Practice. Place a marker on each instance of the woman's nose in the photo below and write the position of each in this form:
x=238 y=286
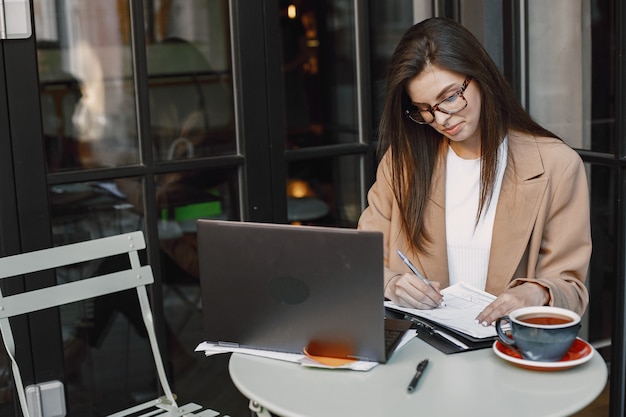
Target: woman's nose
x=441 y=117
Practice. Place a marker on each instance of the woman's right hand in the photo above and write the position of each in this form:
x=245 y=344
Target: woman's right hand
x=409 y=291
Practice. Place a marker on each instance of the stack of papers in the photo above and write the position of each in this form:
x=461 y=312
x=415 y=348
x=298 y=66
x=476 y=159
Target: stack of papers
x=214 y=349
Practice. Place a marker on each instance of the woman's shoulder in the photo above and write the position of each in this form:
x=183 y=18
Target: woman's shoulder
x=529 y=138
x=546 y=146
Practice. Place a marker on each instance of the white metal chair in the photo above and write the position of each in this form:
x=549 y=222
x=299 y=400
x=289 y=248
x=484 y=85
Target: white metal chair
x=137 y=276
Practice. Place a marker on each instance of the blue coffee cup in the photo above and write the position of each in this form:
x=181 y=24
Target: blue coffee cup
x=540 y=333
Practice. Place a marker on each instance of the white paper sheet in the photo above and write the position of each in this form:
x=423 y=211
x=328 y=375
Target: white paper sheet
x=463 y=304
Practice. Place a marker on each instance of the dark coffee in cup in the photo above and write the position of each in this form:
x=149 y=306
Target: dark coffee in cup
x=540 y=333
x=544 y=319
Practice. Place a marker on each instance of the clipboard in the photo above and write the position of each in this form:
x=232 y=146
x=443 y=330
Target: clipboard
x=443 y=338
x=446 y=339
x=452 y=329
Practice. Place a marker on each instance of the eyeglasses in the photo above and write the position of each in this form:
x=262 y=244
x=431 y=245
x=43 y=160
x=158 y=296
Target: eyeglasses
x=449 y=105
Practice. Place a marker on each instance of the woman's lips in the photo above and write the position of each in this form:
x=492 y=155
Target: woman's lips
x=451 y=131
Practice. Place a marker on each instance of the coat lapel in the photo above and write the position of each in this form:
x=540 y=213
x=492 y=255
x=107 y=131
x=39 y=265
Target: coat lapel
x=520 y=197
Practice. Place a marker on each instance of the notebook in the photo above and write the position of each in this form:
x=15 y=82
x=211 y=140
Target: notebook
x=289 y=288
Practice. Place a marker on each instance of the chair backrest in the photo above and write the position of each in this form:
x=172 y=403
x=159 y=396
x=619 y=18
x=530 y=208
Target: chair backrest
x=136 y=276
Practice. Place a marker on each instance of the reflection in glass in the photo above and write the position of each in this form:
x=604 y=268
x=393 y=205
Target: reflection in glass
x=104 y=340
x=182 y=199
x=556 y=74
x=190 y=86
x=89 y=210
x=100 y=336
x=318 y=62
x=85 y=68
x=392 y=20
x=324 y=192
x=106 y=350
x=60 y=95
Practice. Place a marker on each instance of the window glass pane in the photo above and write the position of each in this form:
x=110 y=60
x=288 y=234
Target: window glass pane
x=555 y=68
x=602 y=272
x=106 y=349
x=89 y=210
x=571 y=76
x=601 y=65
x=319 y=72
x=87 y=92
x=190 y=79
x=183 y=198
x=104 y=339
x=325 y=191
x=391 y=20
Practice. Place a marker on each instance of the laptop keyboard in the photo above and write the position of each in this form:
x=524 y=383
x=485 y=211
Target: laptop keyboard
x=392 y=338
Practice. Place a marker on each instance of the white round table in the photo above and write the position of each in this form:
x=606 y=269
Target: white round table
x=476 y=383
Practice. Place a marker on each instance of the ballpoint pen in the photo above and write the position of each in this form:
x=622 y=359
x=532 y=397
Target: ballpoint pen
x=418 y=373
x=415 y=270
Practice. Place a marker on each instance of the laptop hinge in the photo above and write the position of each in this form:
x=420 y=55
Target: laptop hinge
x=360 y=358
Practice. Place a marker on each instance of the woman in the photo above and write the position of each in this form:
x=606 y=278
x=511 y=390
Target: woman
x=469 y=187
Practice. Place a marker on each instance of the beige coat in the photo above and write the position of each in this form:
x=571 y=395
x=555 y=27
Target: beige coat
x=541 y=233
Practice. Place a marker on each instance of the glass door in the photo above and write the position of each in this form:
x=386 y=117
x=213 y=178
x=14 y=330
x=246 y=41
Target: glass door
x=130 y=106
x=147 y=115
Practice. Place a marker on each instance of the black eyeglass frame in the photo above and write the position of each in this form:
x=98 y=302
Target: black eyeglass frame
x=433 y=109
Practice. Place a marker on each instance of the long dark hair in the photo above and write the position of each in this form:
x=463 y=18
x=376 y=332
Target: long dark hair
x=414 y=148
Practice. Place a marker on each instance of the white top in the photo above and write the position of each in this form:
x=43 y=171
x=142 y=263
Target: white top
x=469 y=243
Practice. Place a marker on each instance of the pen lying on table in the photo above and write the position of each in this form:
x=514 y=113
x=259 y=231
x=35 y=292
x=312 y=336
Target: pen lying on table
x=418 y=373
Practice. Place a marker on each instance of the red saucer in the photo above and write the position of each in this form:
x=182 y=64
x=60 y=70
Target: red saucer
x=580 y=352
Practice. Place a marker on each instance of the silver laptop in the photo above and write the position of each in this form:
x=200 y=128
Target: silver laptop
x=289 y=288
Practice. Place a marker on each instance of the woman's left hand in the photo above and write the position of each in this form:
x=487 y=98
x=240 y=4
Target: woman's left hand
x=524 y=295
